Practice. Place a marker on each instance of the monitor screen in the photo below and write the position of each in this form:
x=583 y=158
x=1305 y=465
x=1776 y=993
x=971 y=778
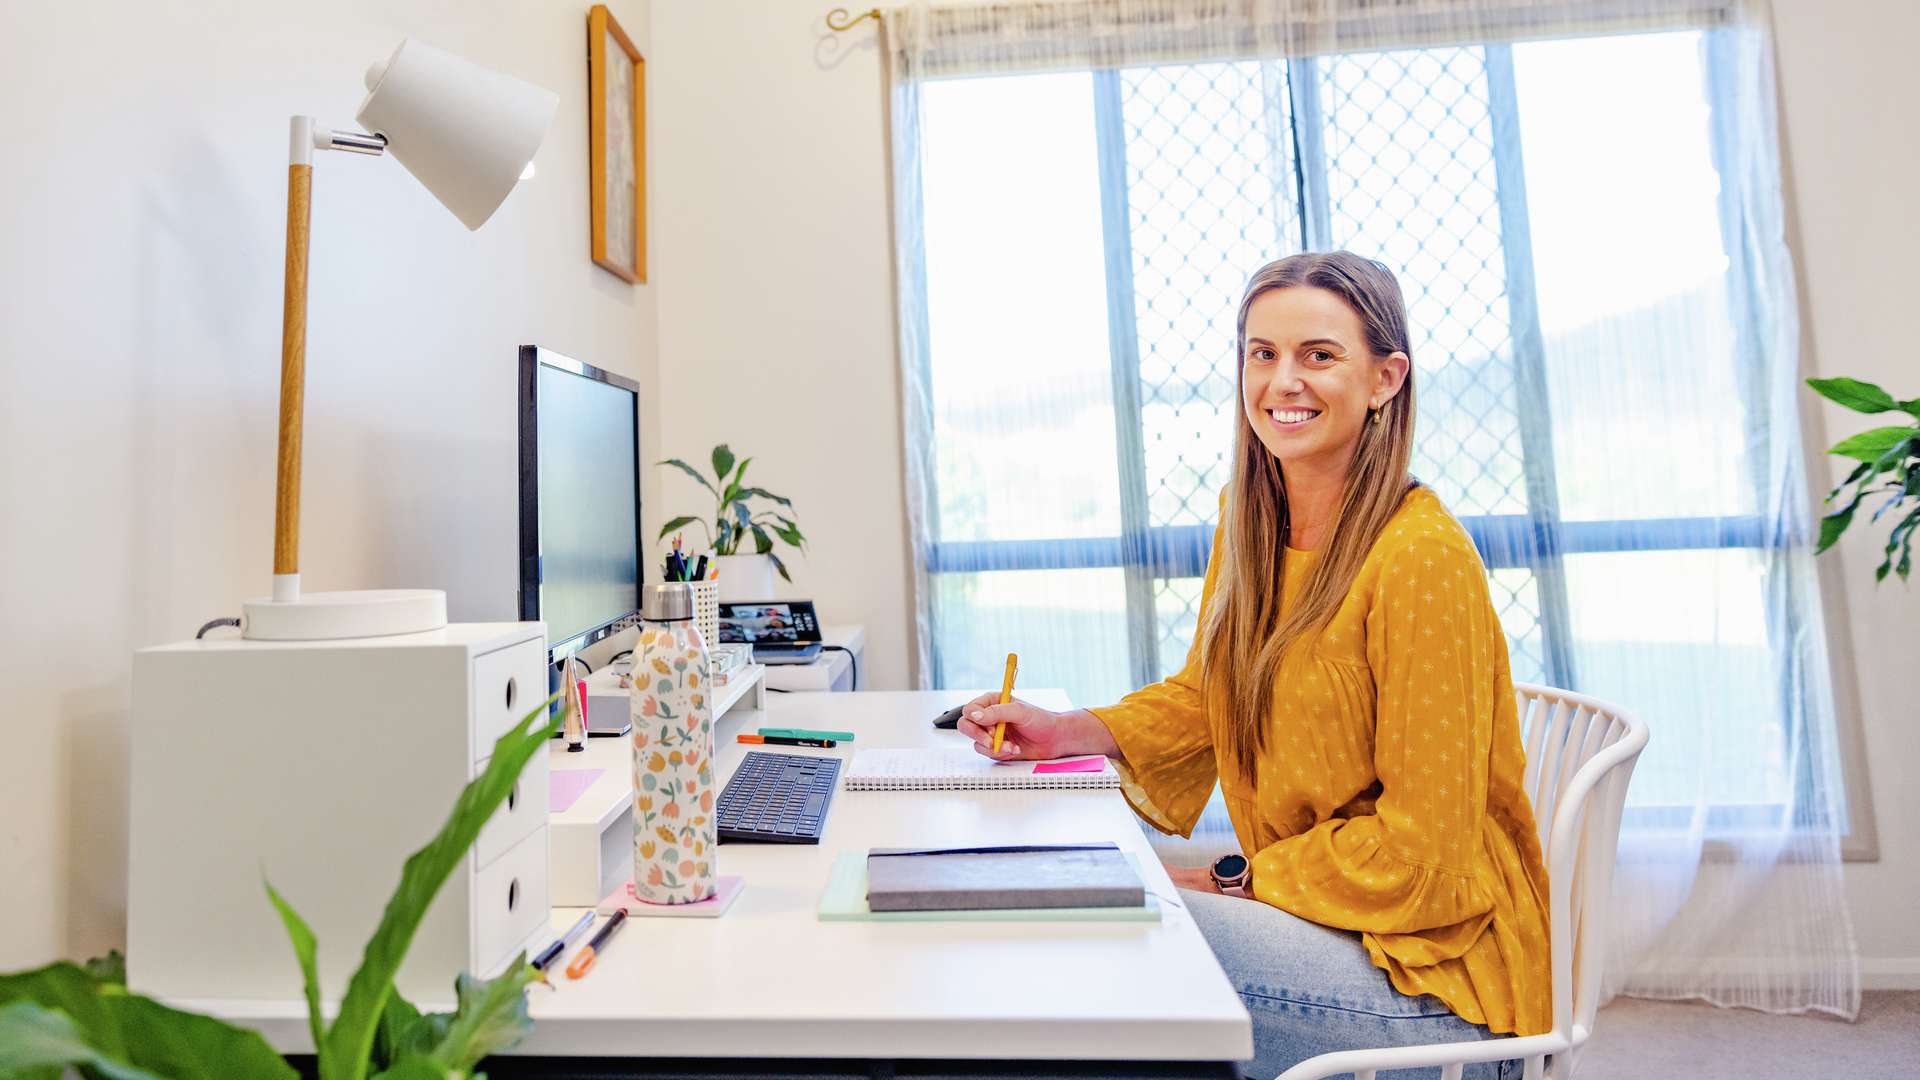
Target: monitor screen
x=580 y=497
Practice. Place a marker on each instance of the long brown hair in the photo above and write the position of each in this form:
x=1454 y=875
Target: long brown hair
x=1246 y=633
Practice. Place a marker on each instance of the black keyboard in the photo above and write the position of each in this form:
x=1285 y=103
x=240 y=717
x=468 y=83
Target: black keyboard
x=777 y=798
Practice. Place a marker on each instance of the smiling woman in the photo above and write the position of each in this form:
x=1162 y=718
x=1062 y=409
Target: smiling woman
x=1349 y=692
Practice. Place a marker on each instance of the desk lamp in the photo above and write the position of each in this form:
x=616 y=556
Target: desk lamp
x=468 y=134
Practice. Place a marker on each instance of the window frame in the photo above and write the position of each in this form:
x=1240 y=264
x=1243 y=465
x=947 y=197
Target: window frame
x=1536 y=541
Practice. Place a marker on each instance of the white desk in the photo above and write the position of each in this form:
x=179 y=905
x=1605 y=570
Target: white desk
x=769 y=980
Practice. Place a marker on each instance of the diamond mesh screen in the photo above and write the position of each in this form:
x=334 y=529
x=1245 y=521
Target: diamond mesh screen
x=1401 y=148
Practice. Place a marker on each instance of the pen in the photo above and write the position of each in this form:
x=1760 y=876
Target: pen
x=1006 y=695
x=583 y=963
x=807 y=733
x=784 y=740
x=552 y=952
x=574 y=722
x=700 y=570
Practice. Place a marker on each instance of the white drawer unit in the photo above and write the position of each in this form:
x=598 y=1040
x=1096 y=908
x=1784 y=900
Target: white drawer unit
x=320 y=766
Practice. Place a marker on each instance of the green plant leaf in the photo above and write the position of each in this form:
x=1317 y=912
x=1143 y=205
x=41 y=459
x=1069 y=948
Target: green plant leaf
x=491 y=1016
x=1911 y=408
x=680 y=522
x=690 y=471
x=763 y=543
x=742 y=515
x=188 y=1046
x=108 y=970
x=732 y=492
x=401 y=1033
x=1836 y=523
x=726 y=543
x=780 y=566
x=1870 y=445
x=723 y=461
x=1856 y=395
x=349 y=1042
x=414 y=1068
x=64 y=987
x=122 y=1034
x=763 y=493
x=304 y=949
x=39 y=1042
x=1859 y=471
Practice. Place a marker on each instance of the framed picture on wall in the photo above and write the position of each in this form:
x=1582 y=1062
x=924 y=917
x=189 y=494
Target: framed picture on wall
x=616 y=125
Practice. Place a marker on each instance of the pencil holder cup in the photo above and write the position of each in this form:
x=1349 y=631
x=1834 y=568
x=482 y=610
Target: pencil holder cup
x=706 y=610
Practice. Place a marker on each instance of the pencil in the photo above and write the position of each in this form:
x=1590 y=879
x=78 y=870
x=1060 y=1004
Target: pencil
x=1006 y=695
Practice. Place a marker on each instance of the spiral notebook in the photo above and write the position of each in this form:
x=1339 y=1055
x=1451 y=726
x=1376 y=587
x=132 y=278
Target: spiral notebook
x=963 y=770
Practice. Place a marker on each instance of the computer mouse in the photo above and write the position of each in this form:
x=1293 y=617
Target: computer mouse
x=950 y=718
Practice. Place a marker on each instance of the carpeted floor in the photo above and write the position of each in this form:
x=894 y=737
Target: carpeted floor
x=1639 y=1040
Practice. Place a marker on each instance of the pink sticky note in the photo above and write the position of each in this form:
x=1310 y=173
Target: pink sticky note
x=1085 y=764
x=567 y=785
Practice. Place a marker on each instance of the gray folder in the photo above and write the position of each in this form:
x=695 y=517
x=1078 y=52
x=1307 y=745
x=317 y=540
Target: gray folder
x=960 y=879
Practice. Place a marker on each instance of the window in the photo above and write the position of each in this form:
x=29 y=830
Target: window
x=1554 y=212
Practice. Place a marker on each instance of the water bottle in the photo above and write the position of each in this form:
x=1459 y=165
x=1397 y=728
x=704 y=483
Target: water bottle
x=674 y=833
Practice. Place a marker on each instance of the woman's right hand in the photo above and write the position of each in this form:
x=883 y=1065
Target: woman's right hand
x=1033 y=733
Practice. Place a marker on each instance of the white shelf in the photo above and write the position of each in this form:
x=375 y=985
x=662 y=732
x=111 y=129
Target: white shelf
x=737 y=687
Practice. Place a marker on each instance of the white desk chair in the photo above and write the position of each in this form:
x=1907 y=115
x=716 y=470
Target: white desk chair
x=1580 y=754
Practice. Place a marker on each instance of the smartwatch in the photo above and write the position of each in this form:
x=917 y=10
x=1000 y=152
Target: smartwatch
x=1232 y=875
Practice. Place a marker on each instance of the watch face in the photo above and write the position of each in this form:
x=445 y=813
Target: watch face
x=1230 y=866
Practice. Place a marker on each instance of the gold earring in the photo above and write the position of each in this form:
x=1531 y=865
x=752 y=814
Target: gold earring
x=1377 y=414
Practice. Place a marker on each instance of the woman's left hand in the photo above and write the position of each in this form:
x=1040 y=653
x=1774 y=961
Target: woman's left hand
x=1195 y=878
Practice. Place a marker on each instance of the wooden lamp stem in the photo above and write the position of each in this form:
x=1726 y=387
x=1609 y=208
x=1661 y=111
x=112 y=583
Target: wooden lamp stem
x=293 y=368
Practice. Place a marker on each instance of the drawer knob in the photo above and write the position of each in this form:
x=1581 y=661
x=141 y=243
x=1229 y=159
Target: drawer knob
x=513 y=691
x=513 y=796
x=513 y=894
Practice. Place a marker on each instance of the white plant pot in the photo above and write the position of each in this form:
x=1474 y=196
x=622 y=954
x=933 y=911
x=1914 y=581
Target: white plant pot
x=745 y=578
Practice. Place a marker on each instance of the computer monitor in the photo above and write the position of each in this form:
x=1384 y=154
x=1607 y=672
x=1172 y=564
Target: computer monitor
x=580 y=543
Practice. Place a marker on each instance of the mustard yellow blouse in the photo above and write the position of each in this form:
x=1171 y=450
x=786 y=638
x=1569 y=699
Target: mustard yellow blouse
x=1389 y=799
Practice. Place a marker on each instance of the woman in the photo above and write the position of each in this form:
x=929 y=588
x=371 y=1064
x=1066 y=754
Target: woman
x=1348 y=689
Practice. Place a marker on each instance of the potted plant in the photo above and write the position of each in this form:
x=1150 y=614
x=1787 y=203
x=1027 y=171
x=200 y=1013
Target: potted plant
x=1889 y=460
x=64 y=1016
x=736 y=521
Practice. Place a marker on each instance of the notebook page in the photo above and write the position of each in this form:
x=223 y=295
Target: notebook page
x=879 y=768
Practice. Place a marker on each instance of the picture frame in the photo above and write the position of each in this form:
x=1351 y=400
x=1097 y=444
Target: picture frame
x=616 y=125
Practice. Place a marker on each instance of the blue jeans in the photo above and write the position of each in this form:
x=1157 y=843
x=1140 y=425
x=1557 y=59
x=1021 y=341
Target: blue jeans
x=1312 y=989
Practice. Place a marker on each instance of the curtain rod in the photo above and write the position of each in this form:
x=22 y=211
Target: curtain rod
x=840 y=20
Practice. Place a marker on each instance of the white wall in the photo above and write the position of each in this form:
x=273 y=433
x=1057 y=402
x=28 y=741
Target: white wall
x=776 y=316
x=142 y=206
x=1845 y=77
x=775 y=280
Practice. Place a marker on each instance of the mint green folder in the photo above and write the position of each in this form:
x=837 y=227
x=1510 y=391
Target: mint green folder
x=845 y=900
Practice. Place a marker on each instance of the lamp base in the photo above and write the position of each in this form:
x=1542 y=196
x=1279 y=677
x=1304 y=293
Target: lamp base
x=361 y=613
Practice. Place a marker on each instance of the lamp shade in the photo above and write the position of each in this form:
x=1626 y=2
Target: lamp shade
x=464 y=131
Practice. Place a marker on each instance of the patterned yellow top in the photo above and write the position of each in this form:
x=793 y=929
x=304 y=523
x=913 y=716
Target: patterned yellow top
x=1389 y=799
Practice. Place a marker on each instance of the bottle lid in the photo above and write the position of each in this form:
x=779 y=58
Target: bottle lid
x=668 y=601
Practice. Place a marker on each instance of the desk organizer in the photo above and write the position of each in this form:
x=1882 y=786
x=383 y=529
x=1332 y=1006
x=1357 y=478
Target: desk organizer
x=321 y=765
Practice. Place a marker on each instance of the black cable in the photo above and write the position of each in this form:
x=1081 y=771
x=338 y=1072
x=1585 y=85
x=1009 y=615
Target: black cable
x=615 y=658
x=212 y=623
x=853 y=660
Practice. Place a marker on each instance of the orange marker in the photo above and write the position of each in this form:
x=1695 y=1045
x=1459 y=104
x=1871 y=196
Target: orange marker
x=584 y=961
x=1006 y=695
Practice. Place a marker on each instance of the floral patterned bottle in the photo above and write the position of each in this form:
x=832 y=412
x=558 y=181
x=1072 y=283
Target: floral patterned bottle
x=674 y=833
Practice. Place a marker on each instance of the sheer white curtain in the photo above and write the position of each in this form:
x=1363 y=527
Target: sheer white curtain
x=1582 y=201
